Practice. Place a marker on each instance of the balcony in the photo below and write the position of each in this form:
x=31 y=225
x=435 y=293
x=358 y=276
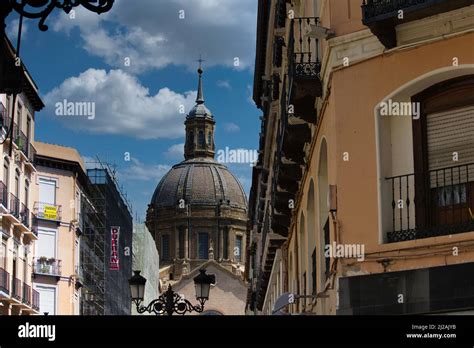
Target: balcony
x=35 y=301
x=47 y=211
x=304 y=69
x=4 y=281
x=4 y=197
x=446 y=208
x=47 y=267
x=16 y=289
x=27 y=295
x=14 y=206
x=25 y=215
x=22 y=142
x=382 y=16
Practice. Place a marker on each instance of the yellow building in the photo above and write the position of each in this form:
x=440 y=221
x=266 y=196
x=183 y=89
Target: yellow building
x=368 y=205
x=17 y=175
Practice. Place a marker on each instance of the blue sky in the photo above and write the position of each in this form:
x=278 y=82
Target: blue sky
x=83 y=58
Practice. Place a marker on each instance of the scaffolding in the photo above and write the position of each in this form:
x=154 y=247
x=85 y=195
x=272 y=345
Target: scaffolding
x=93 y=255
x=116 y=212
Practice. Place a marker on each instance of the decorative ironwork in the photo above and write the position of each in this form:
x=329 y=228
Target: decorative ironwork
x=372 y=9
x=307 y=69
x=170 y=303
x=42 y=8
x=448 y=204
x=303 y=52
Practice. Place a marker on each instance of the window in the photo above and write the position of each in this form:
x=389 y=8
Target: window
x=3 y=253
x=209 y=139
x=238 y=248
x=203 y=246
x=27 y=195
x=191 y=139
x=6 y=173
x=19 y=113
x=165 y=247
x=202 y=142
x=47 y=299
x=28 y=128
x=17 y=183
x=47 y=191
x=181 y=242
x=225 y=241
x=46 y=243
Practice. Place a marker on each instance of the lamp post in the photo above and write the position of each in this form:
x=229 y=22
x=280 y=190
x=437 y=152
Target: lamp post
x=171 y=302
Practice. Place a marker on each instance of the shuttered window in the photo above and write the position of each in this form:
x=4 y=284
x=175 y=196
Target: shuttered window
x=47 y=299
x=450 y=137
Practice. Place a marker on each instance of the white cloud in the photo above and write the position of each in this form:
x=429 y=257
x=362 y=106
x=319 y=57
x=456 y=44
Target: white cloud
x=175 y=152
x=153 y=36
x=224 y=84
x=122 y=105
x=139 y=171
x=231 y=127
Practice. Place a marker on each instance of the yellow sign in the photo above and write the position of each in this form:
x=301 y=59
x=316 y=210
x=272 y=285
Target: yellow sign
x=50 y=212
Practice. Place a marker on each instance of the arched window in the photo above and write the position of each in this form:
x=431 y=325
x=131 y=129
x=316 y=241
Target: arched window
x=302 y=259
x=323 y=188
x=202 y=142
x=165 y=247
x=209 y=139
x=191 y=139
x=311 y=246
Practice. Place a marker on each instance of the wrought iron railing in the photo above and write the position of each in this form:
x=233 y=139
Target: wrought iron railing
x=303 y=50
x=26 y=294
x=4 y=281
x=25 y=215
x=16 y=289
x=22 y=142
x=3 y=194
x=14 y=206
x=47 y=211
x=35 y=300
x=47 y=266
x=31 y=152
x=448 y=204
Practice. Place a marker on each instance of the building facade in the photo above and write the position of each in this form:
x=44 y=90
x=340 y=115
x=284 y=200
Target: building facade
x=118 y=242
x=147 y=261
x=367 y=206
x=199 y=211
x=17 y=177
x=70 y=250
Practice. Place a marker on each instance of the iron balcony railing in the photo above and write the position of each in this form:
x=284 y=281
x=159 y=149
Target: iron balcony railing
x=47 y=266
x=47 y=211
x=3 y=117
x=26 y=294
x=3 y=194
x=4 y=281
x=31 y=152
x=25 y=215
x=22 y=142
x=35 y=300
x=448 y=204
x=16 y=289
x=303 y=50
x=14 y=206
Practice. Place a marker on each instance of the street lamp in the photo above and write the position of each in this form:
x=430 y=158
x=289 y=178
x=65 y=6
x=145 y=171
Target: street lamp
x=171 y=302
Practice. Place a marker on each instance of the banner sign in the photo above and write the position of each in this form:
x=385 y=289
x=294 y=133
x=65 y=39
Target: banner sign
x=114 y=247
x=50 y=212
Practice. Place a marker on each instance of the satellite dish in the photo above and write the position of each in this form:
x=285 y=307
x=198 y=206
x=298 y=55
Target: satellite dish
x=284 y=300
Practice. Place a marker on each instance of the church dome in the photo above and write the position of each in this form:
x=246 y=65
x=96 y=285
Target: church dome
x=200 y=182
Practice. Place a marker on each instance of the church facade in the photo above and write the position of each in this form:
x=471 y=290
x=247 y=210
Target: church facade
x=198 y=217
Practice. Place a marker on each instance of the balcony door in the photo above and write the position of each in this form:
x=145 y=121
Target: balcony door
x=47 y=299
x=47 y=191
x=444 y=156
x=46 y=244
